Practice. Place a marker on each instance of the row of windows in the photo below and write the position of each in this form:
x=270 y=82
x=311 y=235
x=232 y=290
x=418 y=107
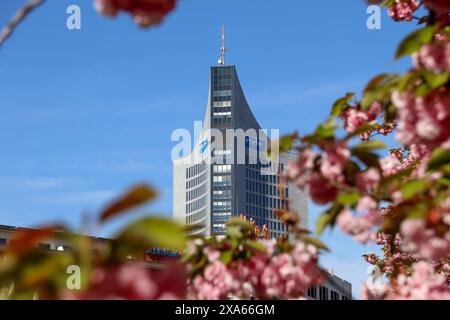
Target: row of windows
x=222 y=93
x=222 y=168
x=258 y=166
x=41 y=245
x=196 y=181
x=221 y=194
x=222 y=180
x=195 y=193
x=192 y=218
x=217 y=86
x=222 y=75
x=222 y=152
x=195 y=170
x=265 y=189
x=256 y=175
x=222 y=114
x=224 y=109
x=222 y=70
x=258 y=200
x=221 y=122
x=221 y=205
x=323 y=294
x=195 y=205
x=220 y=215
x=222 y=103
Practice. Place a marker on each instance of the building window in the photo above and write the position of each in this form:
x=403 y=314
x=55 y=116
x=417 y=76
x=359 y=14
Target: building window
x=312 y=292
x=323 y=293
x=334 y=295
x=45 y=246
x=3 y=241
x=226 y=168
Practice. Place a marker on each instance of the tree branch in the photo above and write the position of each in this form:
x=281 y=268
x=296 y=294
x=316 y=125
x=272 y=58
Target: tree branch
x=21 y=14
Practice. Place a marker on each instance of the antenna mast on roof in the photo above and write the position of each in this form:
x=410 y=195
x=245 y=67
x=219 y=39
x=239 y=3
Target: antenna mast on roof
x=222 y=50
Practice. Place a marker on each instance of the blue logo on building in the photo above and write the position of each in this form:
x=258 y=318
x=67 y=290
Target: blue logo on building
x=203 y=146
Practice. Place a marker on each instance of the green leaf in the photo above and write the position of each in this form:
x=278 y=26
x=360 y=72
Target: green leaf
x=413 y=187
x=435 y=80
x=226 y=256
x=255 y=245
x=239 y=222
x=370 y=145
x=234 y=232
x=388 y=3
x=444 y=181
x=379 y=89
x=419 y=211
x=341 y=104
x=327 y=218
x=439 y=158
x=285 y=143
x=368 y=158
x=348 y=198
x=152 y=232
x=131 y=199
x=364 y=128
x=326 y=129
x=414 y=41
x=423 y=90
x=376 y=81
x=408 y=79
x=315 y=242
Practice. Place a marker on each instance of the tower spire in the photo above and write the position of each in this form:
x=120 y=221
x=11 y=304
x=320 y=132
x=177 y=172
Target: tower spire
x=222 y=50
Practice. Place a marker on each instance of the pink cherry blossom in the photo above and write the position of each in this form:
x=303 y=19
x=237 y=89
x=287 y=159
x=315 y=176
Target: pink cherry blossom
x=424 y=120
x=423 y=241
x=366 y=181
x=433 y=56
x=144 y=12
x=440 y=6
x=319 y=188
x=334 y=160
x=423 y=284
x=133 y=281
x=355 y=117
x=391 y=165
x=366 y=203
x=402 y=10
x=359 y=227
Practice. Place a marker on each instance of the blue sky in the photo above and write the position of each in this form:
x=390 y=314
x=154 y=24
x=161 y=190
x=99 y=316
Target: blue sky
x=86 y=113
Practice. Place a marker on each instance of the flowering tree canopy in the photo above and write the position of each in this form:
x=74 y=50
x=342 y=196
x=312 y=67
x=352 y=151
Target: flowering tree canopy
x=395 y=196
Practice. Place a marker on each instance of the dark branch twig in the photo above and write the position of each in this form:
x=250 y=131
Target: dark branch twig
x=18 y=18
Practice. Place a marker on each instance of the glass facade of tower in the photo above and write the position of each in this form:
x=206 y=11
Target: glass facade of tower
x=210 y=194
x=222 y=98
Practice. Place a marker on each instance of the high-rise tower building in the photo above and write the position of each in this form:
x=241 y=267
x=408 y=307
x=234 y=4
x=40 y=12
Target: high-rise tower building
x=222 y=177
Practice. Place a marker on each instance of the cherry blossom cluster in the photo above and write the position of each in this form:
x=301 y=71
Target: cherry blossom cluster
x=393 y=260
x=133 y=281
x=265 y=275
x=424 y=120
x=424 y=241
x=359 y=227
x=422 y=284
x=402 y=10
x=321 y=176
x=145 y=12
x=433 y=56
x=400 y=201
